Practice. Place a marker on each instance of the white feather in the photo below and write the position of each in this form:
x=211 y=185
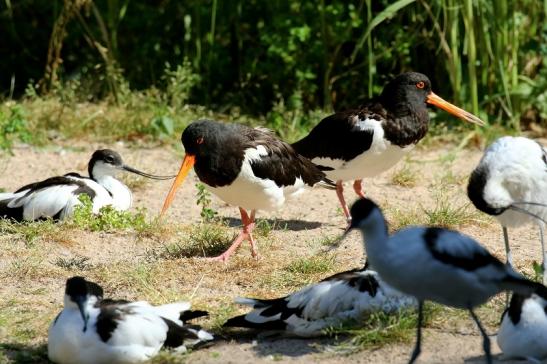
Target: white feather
x=516 y=172
x=253 y=193
x=331 y=302
x=381 y=156
x=138 y=336
x=528 y=338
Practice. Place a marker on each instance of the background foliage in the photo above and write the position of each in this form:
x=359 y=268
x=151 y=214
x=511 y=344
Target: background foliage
x=278 y=58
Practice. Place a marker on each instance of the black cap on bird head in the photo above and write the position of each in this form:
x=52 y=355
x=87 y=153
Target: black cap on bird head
x=79 y=290
x=411 y=91
x=361 y=210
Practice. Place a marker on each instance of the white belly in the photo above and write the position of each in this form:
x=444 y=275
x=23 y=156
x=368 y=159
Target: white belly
x=256 y=193
x=368 y=164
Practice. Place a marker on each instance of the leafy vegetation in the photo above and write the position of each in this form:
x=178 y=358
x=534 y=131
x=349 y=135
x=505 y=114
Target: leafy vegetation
x=107 y=219
x=203 y=199
x=281 y=60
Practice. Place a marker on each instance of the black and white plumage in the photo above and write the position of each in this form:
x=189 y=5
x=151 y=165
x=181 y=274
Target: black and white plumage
x=510 y=183
x=523 y=331
x=436 y=264
x=246 y=167
x=336 y=299
x=93 y=330
x=56 y=197
x=361 y=143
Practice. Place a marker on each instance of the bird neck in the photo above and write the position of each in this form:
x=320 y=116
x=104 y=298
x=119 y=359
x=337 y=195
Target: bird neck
x=121 y=195
x=407 y=119
x=375 y=234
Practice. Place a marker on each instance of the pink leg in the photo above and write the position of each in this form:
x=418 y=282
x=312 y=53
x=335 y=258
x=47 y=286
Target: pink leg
x=340 y=194
x=250 y=227
x=358 y=188
x=245 y=234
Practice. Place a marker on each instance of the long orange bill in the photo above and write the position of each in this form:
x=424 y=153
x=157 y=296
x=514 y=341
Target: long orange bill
x=454 y=110
x=187 y=164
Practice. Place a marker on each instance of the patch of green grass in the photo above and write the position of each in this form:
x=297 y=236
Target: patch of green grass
x=107 y=219
x=264 y=227
x=450 y=214
x=31 y=231
x=400 y=218
x=170 y=357
x=311 y=265
x=378 y=329
x=202 y=240
x=404 y=177
x=221 y=315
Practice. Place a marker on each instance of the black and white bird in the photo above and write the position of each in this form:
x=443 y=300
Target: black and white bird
x=510 y=183
x=336 y=299
x=93 y=330
x=246 y=167
x=56 y=197
x=523 y=331
x=361 y=143
x=436 y=264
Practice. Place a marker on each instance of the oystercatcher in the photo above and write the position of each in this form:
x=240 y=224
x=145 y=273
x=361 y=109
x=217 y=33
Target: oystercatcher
x=246 y=167
x=510 y=183
x=523 y=331
x=94 y=330
x=436 y=264
x=355 y=144
x=336 y=299
x=56 y=197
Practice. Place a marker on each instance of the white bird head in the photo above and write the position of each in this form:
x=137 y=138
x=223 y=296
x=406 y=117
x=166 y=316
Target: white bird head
x=106 y=162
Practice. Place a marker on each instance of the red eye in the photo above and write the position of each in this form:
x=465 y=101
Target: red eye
x=199 y=141
x=420 y=84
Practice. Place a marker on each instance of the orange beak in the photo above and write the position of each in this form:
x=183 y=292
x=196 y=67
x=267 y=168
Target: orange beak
x=187 y=164
x=454 y=110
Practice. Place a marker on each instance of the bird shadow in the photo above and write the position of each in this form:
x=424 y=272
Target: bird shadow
x=277 y=346
x=277 y=224
x=23 y=354
x=498 y=358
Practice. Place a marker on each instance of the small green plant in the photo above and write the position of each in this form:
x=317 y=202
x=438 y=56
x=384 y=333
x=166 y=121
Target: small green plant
x=13 y=127
x=538 y=271
x=449 y=214
x=316 y=264
x=180 y=83
x=202 y=240
x=404 y=177
x=107 y=219
x=204 y=200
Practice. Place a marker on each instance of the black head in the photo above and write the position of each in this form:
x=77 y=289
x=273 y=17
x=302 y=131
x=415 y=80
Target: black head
x=107 y=157
x=202 y=135
x=79 y=291
x=410 y=93
x=78 y=286
x=475 y=192
x=361 y=210
x=409 y=89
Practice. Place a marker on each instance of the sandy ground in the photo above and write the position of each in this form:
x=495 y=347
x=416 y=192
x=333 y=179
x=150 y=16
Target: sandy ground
x=311 y=217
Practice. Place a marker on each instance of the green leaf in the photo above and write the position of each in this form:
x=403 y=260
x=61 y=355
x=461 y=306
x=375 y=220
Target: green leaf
x=387 y=13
